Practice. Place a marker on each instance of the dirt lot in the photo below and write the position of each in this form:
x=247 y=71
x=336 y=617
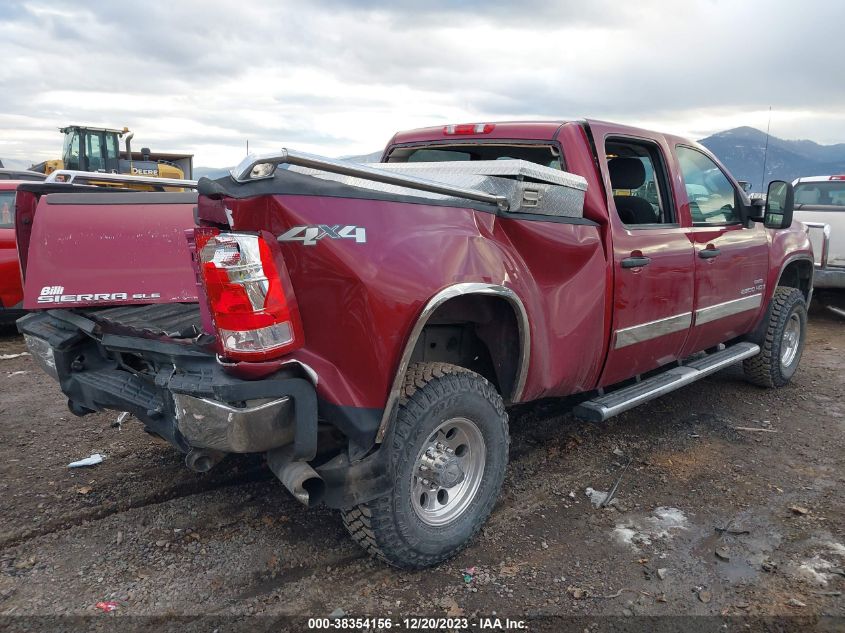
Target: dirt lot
x=142 y=530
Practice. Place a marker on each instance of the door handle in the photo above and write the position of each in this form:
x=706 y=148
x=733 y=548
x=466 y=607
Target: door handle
x=709 y=253
x=635 y=262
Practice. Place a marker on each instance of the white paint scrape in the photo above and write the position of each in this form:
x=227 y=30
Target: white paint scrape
x=659 y=525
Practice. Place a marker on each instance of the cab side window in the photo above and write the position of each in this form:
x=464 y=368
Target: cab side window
x=7 y=210
x=637 y=177
x=712 y=198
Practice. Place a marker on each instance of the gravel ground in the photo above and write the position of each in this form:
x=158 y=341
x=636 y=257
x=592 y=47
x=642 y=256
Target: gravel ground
x=142 y=530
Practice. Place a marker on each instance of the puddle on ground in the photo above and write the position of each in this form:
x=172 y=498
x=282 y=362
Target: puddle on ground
x=742 y=555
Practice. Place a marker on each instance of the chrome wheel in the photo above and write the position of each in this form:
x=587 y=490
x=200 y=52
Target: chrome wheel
x=791 y=340
x=448 y=471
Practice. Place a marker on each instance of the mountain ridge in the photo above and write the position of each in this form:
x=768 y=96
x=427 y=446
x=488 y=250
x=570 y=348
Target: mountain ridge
x=740 y=149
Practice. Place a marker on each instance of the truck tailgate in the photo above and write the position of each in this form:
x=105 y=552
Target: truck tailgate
x=110 y=249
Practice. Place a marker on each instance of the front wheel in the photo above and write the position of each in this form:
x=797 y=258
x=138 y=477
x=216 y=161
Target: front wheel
x=783 y=340
x=448 y=448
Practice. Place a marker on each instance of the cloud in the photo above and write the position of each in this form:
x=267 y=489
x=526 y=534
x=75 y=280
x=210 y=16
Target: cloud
x=340 y=76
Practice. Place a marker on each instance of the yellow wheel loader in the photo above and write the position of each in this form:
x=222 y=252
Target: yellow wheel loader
x=98 y=150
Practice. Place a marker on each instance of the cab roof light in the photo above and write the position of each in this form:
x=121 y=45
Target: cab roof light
x=837 y=177
x=468 y=128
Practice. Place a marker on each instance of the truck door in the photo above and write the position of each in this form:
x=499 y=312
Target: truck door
x=652 y=258
x=731 y=259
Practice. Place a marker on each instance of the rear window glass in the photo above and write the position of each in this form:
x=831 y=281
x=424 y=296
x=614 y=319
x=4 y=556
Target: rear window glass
x=7 y=209
x=830 y=193
x=545 y=155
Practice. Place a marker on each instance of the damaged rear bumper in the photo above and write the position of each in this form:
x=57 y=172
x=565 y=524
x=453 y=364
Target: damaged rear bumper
x=207 y=423
x=183 y=394
x=178 y=390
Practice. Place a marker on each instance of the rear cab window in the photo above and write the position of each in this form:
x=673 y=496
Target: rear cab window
x=820 y=193
x=7 y=209
x=545 y=155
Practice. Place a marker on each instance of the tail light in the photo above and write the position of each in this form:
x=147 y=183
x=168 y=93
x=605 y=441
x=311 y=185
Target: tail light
x=249 y=294
x=469 y=128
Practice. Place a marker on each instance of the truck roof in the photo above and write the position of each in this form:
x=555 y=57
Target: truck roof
x=20 y=175
x=6 y=185
x=529 y=130
x=818 y=178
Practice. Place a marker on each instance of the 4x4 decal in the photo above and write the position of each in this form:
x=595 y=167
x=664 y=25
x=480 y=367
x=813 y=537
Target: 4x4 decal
x=309 y=235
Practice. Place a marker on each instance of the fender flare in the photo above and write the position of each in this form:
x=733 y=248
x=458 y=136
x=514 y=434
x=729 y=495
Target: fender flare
x=756 y=335
x=450 y=292
x=796 y=258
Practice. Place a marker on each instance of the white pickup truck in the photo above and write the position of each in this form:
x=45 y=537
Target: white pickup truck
x=820 y=205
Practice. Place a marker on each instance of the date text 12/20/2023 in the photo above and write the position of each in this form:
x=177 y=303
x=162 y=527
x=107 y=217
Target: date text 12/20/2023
x=416 y=624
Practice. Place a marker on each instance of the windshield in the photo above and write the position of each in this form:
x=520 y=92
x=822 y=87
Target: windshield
x=828 y=193
x=70 y=150
x=7 y=209
x=545 y=155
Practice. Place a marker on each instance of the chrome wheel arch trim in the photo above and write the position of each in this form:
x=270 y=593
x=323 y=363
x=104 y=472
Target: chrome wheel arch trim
x=451 y=292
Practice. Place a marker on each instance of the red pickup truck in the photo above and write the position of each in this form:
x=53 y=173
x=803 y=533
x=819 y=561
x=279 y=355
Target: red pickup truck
x=11 y=291
x=366 y=327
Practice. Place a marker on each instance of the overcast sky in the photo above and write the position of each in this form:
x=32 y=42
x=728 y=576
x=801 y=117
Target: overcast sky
x=339 y=77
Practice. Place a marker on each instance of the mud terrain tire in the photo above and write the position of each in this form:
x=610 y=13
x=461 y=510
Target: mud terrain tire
x=782 y=340
x=399 y=528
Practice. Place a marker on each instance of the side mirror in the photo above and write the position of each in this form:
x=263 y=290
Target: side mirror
x=780 y=203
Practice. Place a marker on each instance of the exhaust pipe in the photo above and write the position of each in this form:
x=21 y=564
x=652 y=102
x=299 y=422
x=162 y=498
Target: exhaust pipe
x=299 y=478
x=128 y=141
x=201 y=460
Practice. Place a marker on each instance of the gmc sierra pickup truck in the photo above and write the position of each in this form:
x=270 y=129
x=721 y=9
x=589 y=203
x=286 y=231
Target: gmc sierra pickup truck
x=366 y=326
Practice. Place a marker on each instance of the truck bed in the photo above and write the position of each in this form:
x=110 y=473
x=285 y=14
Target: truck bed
x=172 y=320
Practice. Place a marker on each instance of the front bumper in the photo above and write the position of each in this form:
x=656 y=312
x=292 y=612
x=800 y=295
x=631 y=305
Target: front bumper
x=178 y=390
x=829 y=277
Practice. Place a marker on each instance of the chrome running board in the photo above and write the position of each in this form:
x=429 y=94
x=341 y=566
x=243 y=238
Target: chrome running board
x=614 y=403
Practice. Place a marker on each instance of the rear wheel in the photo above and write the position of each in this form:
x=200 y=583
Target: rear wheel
x=448 y=449
x=783 y=340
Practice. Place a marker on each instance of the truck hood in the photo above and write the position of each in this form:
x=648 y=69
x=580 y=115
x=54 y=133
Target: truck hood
x=109 y=249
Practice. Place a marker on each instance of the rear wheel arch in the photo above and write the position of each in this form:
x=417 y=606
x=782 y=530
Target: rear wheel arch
x=487 y=314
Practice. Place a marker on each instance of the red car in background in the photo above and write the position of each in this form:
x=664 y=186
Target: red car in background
x=11 y=290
